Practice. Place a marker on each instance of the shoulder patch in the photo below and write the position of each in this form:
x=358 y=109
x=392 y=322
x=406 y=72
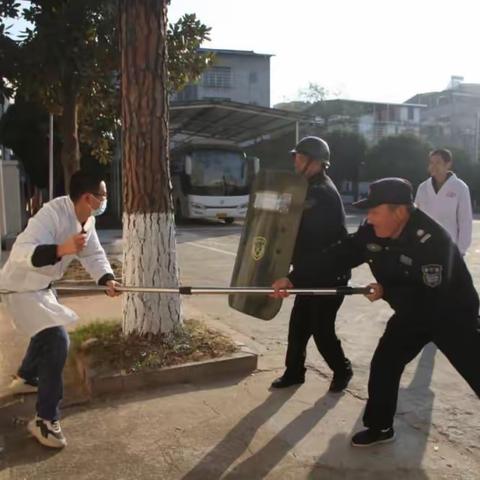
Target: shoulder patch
x=432 y=275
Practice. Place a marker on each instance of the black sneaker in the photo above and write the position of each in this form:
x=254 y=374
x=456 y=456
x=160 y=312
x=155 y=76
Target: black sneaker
x=340 y=381
x=284 y=382
x=370 y=436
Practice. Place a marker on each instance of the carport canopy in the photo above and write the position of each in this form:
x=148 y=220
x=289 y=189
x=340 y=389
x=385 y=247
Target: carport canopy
x=235 y=122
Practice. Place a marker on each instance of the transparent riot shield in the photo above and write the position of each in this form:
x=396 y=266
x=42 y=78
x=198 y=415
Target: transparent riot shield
x=268 y=239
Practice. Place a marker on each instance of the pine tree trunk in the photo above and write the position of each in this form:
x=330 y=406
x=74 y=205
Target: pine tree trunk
x=148 y=221
x=70 y=155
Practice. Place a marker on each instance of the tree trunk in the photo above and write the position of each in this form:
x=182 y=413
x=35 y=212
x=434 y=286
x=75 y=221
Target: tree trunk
x=148 y=221
x=70 y=155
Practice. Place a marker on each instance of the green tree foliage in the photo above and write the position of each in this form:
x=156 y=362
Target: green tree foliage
x=68 y=62
x=398 y=156
x=24 y=128
x=347 y=152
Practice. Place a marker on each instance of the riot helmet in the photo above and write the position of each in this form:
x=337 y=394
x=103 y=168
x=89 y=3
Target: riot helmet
x=314 y=148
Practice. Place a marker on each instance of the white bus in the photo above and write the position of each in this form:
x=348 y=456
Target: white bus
x=211 y=181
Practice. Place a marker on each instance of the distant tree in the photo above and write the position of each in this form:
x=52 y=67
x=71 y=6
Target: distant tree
x=398 y=156
x=315 y=93
x=24 y=128
x=68 y=62
x=462 y=163
x=348 y=152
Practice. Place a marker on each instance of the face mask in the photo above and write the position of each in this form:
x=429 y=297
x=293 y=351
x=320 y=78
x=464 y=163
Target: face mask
x=101 y=209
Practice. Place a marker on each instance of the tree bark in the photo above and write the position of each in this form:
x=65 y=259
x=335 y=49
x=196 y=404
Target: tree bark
x=70 y=156
x=148 y=221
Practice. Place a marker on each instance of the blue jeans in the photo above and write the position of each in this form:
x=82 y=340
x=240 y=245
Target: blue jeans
x=44 y=360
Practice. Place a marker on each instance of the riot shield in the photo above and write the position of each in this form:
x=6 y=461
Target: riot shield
x=268 y=239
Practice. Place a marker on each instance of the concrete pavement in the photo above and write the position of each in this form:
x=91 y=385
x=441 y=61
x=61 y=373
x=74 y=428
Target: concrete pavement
x=238 y=429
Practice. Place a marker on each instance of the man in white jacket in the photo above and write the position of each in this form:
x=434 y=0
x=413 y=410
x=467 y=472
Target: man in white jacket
x=446 y=199
x=62 y=230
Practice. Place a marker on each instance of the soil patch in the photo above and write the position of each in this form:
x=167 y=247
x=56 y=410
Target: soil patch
x=108 y=349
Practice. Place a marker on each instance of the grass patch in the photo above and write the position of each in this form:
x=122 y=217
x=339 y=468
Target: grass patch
x=107 y=347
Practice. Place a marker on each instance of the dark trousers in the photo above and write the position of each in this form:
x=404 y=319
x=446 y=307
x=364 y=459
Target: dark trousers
x=44 y=360
x=457 y=337
x=314 y=315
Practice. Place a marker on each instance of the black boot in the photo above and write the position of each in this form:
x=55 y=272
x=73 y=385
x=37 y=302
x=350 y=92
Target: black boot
x=341 y=379
x=286 y=381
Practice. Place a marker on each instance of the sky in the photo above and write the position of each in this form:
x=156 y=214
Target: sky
x=374 y=50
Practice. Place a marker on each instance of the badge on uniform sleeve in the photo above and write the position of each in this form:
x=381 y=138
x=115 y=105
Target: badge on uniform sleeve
x=432 y=275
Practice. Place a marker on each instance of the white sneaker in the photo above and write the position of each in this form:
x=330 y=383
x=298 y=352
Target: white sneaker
x=18 y=386
x=47 y=433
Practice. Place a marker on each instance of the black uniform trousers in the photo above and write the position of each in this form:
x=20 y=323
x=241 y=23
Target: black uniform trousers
x=457 y=336
x=314 y=315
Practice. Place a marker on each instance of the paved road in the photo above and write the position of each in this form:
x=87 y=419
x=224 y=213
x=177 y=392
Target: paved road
x=237 y=429
x=434 y=398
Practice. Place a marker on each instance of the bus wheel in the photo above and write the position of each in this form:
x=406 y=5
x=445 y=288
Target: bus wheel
x=229 y=220
x=178 y=212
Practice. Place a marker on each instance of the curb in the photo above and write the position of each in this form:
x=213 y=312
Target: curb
x=240 y=363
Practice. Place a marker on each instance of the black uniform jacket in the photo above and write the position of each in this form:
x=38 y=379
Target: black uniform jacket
x=323 y=222
x=422 y=272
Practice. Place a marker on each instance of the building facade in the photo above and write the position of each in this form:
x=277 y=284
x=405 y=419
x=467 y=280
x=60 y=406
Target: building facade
x=452 y=117
x=373 y=120
x=236 y=75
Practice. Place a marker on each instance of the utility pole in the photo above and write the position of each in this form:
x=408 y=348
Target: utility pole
x=50 y=160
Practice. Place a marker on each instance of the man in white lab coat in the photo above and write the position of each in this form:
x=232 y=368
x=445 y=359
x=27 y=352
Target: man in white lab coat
x=62 y=230
x=446 y=199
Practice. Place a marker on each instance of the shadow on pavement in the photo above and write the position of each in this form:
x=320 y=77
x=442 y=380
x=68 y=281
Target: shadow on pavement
x=396 y=461
x=264 y=461
x=238 y=439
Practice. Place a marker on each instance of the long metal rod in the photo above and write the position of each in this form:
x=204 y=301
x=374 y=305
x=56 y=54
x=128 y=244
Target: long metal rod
x=210 y=290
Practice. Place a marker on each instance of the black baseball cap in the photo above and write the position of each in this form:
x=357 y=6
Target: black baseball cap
x=394 y=190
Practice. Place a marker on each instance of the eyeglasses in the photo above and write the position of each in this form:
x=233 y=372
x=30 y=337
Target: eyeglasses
x=99 y=195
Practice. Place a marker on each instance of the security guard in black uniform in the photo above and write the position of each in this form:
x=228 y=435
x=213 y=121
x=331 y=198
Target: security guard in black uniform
x=323 y=222
x=422 y=275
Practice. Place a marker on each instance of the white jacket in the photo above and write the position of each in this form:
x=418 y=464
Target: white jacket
x=451 y=207
x=36 y=308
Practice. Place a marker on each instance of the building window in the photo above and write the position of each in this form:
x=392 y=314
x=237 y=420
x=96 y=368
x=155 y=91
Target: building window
x=218 y=77
x=411 y=113
x=190 y=92
x=253 y=77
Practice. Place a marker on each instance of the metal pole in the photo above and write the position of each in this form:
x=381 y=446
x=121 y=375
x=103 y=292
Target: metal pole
x=477 y=137
x=3 y=221
x=210 y=290
x=50 y=160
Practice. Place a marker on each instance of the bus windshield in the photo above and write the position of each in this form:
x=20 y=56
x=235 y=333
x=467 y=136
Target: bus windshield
x=219 y=172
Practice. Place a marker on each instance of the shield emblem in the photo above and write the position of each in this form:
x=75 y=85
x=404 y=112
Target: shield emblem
x=432 y=275
x=258 y=248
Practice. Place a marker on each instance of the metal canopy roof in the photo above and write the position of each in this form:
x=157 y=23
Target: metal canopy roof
x=239 y=123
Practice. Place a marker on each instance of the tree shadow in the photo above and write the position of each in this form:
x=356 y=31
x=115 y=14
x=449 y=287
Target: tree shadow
x=398 y=460
x=20 y=448
x=237 y=440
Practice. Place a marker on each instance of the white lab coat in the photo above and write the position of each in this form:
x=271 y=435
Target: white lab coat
x=451 y=207
x=36 y=308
